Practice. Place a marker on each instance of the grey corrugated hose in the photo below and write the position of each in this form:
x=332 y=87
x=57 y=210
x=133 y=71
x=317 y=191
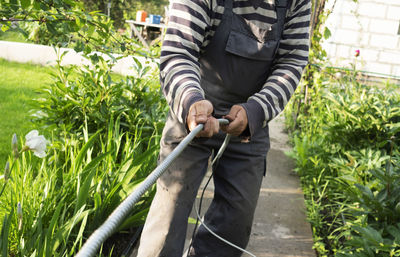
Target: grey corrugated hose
x=118 y=215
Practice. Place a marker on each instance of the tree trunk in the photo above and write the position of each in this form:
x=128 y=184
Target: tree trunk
x=317 y=8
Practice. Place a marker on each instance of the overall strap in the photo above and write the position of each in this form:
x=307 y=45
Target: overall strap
x=281 y=7
x=228 y=5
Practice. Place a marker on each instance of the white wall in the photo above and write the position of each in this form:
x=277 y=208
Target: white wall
x=370 y=26
x=46 y=55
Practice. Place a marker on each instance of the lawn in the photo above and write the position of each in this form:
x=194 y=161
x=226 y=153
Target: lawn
x=13 y=35
x=19 y=84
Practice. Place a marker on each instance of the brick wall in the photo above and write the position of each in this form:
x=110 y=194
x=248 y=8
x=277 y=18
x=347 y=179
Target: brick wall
x=372 y=26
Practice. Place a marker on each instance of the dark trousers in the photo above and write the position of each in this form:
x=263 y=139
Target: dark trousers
x=237 y=181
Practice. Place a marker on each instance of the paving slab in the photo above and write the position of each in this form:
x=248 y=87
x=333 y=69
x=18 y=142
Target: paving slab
x=280 y=228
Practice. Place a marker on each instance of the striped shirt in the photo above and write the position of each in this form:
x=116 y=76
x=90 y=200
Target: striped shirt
x=191 y=26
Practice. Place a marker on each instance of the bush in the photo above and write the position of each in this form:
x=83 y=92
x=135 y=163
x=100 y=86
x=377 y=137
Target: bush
x=88 y=97
x=105 y=135
x=66 y=196
x=346 y=142
x=105 y=140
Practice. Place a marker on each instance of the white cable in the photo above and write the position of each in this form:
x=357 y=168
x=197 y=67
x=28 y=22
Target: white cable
x=219 y=154
x=220 y=238
x=221 y=149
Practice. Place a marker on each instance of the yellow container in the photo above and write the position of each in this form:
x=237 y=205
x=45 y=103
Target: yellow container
x=141 y=16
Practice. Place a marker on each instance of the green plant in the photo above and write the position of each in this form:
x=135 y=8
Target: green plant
x=378 y=203
x=343 y=139
x=67 y=195
x=92 y=96
x=66 y=23
x=105 y=134
x=13 y=36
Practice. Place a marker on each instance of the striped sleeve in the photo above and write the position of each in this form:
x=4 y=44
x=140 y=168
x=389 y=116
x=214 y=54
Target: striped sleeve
x=291 y=59
x=188 y=23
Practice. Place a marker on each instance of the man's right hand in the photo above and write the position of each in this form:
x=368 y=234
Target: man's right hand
x=200 y=113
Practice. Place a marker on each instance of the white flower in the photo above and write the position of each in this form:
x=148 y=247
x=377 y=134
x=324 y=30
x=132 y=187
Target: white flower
x=14 y=143
x=36 y=143
x=19 y=214
x=19 y=210
x=7 y=171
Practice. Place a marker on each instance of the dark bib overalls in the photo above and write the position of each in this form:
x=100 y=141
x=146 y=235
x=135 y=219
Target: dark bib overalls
x=234 y=66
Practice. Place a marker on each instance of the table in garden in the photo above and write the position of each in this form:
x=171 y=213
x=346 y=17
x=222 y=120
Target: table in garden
x=144 y=26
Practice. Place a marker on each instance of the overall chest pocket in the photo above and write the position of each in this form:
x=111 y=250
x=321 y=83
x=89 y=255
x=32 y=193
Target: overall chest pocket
x=249 y=56
x=248 y=41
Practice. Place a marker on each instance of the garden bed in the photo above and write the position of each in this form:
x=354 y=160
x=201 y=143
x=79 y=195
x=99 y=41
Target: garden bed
x=103 y=133
x=346 y=138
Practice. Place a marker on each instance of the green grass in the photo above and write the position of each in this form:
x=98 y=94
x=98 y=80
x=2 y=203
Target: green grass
x=19 y=84
x=14 y=36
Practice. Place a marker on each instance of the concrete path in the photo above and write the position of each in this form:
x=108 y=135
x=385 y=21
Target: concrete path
x=280 y=228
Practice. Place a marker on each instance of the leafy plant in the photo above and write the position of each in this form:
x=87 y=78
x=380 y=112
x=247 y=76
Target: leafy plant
x=345 y=139
x=67 y=195
x=91 y=95
x=66 y=23
x=105 y=133
x=378 y=203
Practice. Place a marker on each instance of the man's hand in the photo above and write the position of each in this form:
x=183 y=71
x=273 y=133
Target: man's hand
x=238 y=121
x=200 y=113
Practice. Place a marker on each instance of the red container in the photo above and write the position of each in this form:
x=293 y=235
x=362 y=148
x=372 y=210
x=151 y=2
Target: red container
x=141 y=16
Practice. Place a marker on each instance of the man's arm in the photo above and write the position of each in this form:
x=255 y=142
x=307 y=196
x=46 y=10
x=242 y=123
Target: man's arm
x=292 y=57
x=179 y=68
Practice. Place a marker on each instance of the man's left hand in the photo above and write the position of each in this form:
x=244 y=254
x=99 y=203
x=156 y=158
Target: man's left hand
x=238 y=121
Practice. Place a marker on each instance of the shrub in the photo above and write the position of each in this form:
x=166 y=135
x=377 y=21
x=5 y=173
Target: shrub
x=71 y=192
x=346 y=140
x=105 y=135
x=105 y=140
x=91 y=95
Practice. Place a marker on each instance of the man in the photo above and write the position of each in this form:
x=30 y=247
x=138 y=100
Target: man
x=238 y=59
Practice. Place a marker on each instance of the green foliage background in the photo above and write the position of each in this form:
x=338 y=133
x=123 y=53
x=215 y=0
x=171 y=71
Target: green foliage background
x=346 y=140
x=346 y=147
x=345 y=136
x=75 y=23
x=103 y=129
x=125 y=9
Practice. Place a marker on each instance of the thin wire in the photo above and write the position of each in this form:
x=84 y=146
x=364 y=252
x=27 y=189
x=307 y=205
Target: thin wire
x=197 y=219
x=221 y=149
x=215 y=161
x=362 y=71
x=221 y=238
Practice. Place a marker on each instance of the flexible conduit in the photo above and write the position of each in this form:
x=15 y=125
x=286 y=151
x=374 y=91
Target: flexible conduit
x=118 y=215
